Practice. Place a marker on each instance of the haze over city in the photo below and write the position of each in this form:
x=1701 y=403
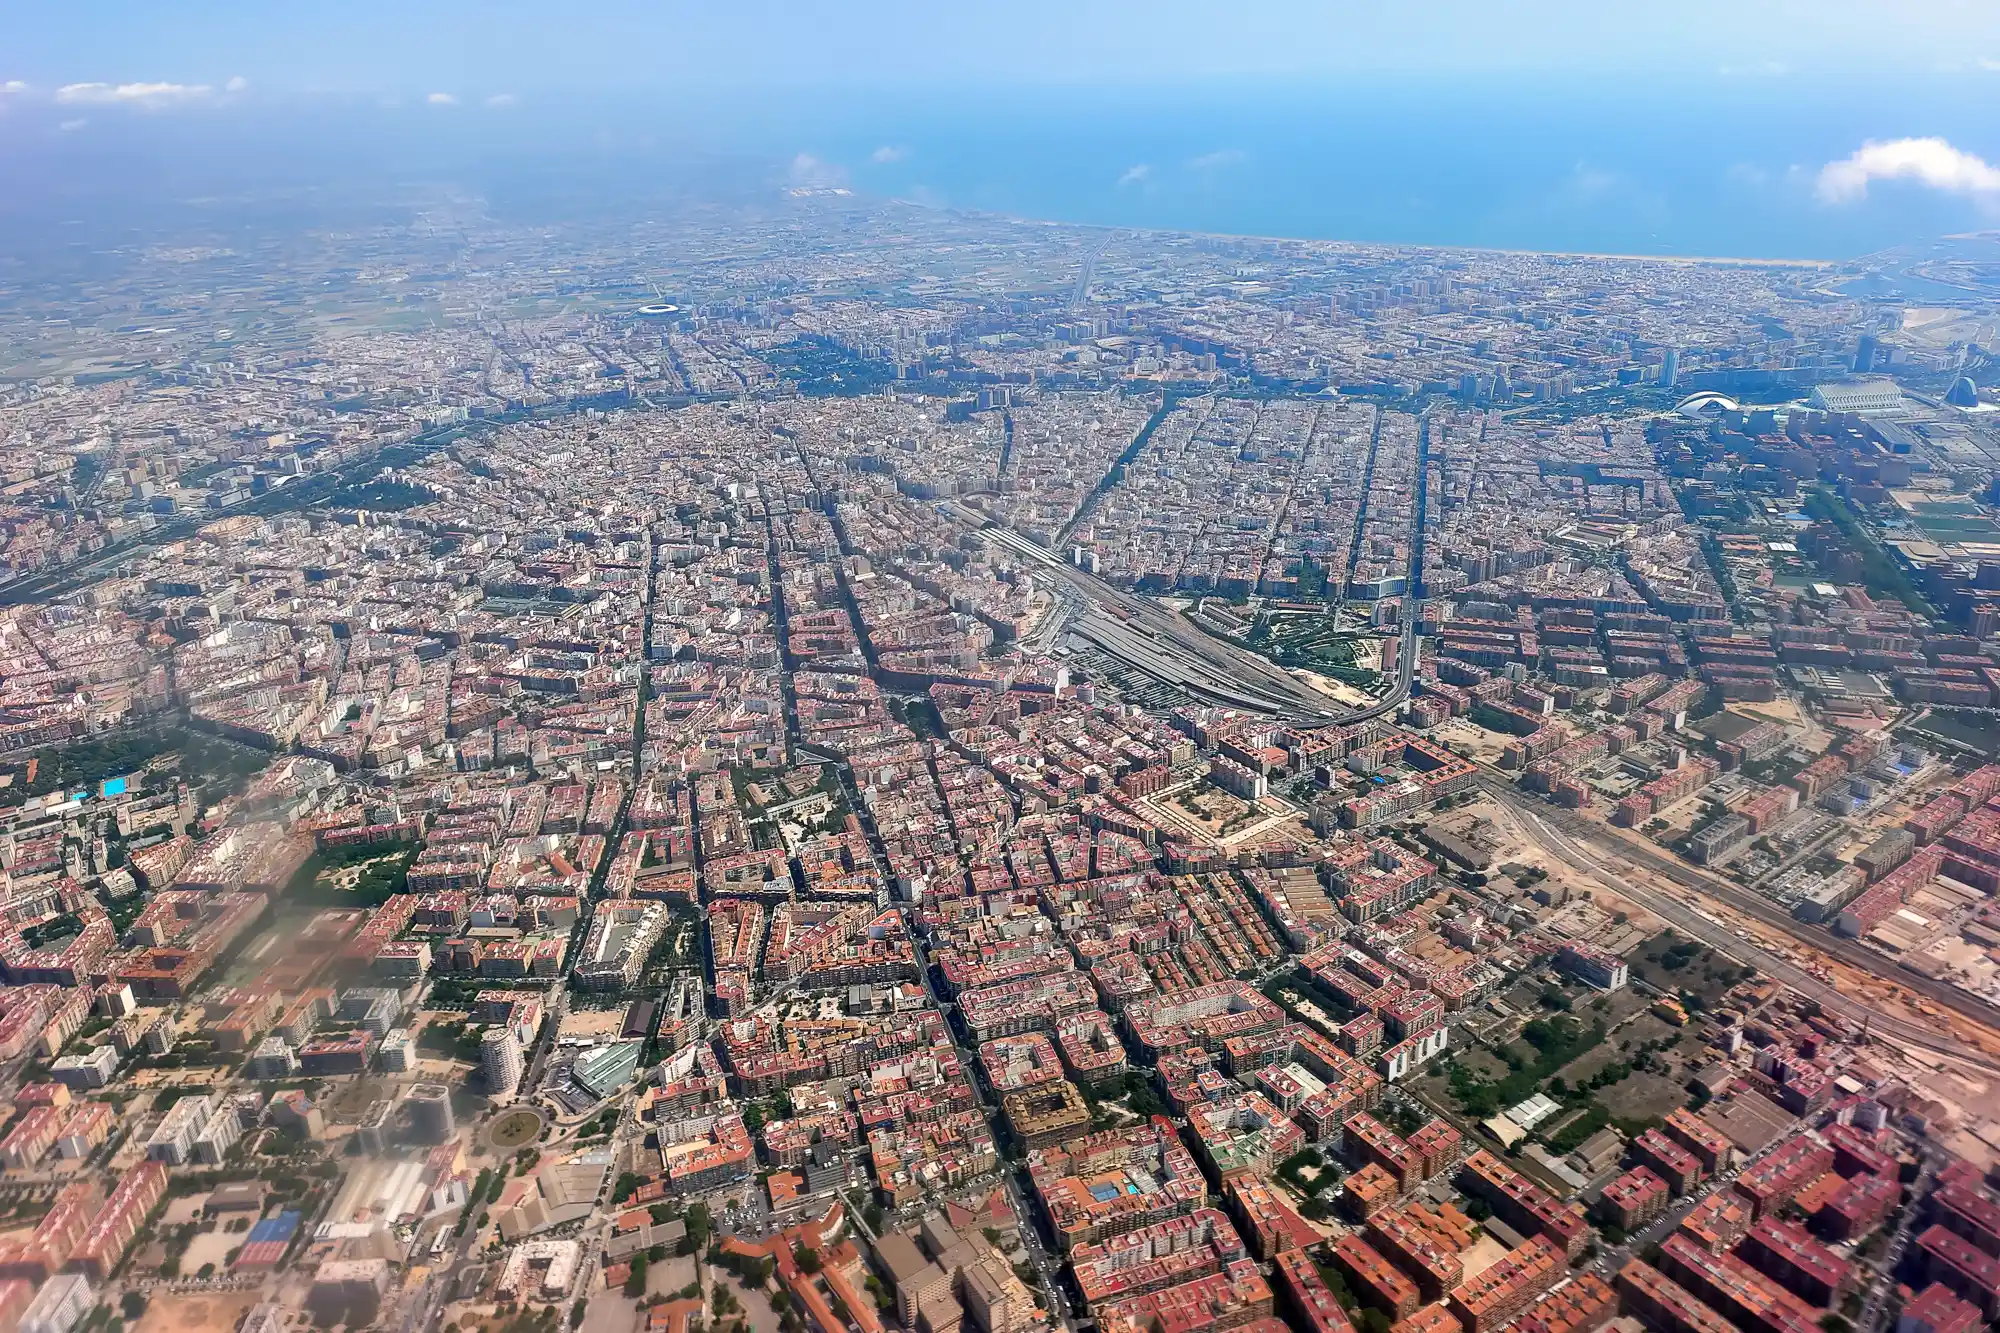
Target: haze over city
x=1061 y=668
x=1689 y=129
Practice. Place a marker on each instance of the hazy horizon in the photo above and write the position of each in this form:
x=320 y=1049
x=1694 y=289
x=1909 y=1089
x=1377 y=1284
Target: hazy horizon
x=1770 y=130
x=1675 y=167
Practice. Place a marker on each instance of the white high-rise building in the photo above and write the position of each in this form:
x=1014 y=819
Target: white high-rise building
x=398 y=1052
x=218 y=1133
x=173 y=1141
x=500 y=1061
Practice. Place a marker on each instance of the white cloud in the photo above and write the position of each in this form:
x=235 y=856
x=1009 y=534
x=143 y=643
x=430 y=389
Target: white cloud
x=1989 y=64
x=134 y=94
x=1136 y=174
x=813 y=173
x=71 y=126
x=1226 y=157
x=1933 y=163
x=238 y=84
x=502 y=99
x=442 y=99
x=888 y=153
x=13 y=86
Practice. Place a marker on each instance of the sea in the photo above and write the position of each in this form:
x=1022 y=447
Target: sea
x=1727 y=165
x=1721 y=164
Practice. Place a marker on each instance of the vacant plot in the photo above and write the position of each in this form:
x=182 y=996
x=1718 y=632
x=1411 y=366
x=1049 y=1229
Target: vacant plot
x=1677 y=965
x=210 y=1247
x=1483 y=1062
x=1642 y=1096
x=1621 y=1046
x=1546 y=1046
x=1482 y=1254
x=1648 y=1029
x=1634 y=1075
x=1473 y=740
x=612 y=1311
x=194 y=1312
x=1616 y=1007
x=350 y=1101
x=593 y=1024
x=762 y=1318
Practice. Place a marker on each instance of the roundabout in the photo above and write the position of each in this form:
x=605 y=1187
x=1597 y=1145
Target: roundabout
x=515 y=1128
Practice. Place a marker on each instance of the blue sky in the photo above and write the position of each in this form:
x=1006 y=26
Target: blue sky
x=1823 y=127
x=475 y=50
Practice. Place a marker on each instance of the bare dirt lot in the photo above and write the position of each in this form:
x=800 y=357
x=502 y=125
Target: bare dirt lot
x=194 y=1312
x=670 y=1276
x=1481 y=1255
x=592 y=1024
x=610 y=1312
x=1475 y=741
x=1510 y=845
x=1210 y=810
x=210 y=1247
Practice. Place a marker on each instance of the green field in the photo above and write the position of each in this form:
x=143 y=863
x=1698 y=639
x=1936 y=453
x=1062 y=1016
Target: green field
x=1315 y=643
x=515 y=1129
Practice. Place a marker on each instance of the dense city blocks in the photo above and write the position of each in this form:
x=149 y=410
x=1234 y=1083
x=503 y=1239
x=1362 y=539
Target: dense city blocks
x=841 y=767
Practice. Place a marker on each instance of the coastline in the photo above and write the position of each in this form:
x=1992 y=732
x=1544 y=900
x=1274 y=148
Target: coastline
x=1725 y=261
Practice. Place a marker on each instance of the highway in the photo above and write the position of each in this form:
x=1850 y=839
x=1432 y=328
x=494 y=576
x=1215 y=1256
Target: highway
x=1563 y=834
x=1080 y=294
x=302 y=492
